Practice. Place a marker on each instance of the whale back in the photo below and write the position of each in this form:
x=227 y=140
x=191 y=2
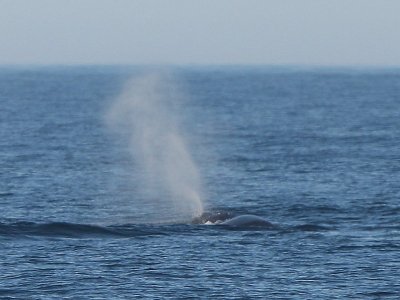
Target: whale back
x=247 y=220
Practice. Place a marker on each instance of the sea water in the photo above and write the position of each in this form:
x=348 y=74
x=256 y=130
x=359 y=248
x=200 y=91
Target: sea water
x=315 y=151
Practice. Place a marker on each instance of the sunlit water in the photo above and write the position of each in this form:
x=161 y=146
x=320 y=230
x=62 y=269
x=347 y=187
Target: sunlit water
x=313 y=151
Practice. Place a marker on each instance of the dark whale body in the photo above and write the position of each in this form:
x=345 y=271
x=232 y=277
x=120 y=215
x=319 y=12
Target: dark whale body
x=247 y=220
x=228 y=219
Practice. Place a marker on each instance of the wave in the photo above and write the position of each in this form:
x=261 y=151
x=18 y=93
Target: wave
x=311 y=228
x=316 y=209
x=72 y=230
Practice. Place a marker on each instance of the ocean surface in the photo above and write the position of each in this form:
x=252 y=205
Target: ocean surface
x=314 y=151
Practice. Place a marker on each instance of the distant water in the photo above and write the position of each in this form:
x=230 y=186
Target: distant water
x=316 y=152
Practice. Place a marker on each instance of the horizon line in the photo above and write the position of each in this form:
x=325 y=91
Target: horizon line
x=204 y=65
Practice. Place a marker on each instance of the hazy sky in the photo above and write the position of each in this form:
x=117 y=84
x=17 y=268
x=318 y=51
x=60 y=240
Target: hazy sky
x=327 y=32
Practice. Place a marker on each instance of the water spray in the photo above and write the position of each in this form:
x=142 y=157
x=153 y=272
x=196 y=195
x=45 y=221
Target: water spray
x=147 y=115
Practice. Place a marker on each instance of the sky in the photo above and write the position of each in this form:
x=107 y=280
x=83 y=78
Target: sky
x=204 y=32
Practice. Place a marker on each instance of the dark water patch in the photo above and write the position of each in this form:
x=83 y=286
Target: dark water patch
x=303 y=208
x=29 y=157
x=382 y=209
x=311 y=228
x=6 y=194
x=4 y=292
x=71 y=230
x=383 y=247
x=381 y=295
x=391 y=227
x=11 y=293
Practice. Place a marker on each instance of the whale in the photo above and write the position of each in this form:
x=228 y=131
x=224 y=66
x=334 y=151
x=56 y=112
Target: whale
x=229 y=219
x=212 y=217
x=247 y=220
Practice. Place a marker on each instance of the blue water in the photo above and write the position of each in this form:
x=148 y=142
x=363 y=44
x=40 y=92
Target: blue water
x=316 y=152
